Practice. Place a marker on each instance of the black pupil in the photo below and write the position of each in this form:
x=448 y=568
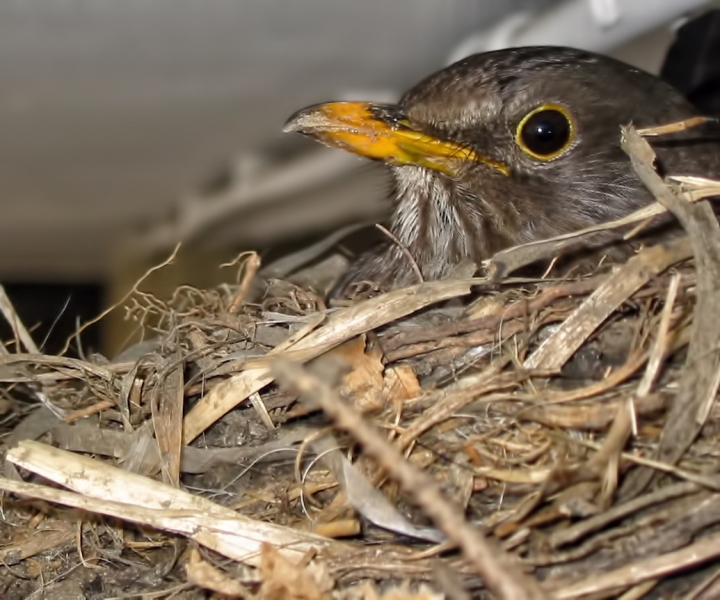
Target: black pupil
x=546 y=132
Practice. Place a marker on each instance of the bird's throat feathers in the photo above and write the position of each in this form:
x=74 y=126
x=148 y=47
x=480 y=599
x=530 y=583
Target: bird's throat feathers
x=430 y=222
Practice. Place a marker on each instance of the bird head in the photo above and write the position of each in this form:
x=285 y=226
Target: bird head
x=503 y=148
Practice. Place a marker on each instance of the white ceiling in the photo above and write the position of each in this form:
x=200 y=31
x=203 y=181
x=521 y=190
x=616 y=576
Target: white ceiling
x=110 y=110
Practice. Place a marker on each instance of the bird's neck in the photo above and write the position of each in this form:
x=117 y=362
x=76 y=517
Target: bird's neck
x=430 y=222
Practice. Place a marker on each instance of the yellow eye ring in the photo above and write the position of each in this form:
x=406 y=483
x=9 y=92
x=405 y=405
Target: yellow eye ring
x=546 y=132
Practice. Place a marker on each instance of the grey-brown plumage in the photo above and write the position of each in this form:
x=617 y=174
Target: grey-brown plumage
x=486 y=115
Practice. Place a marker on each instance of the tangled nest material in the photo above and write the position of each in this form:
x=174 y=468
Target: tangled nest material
x=540 y=439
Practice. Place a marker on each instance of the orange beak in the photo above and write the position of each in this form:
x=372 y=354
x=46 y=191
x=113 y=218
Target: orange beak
x=381 y=132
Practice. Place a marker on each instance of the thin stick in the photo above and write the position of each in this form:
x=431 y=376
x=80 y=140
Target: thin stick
x=10 y=314
x=660 y=347
x=676 y=127
x=404 y=250
x=252 y=264
x=90 y=410
x=644 y=570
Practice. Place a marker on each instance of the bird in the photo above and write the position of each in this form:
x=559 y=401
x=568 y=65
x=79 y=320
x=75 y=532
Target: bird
x=503 y=148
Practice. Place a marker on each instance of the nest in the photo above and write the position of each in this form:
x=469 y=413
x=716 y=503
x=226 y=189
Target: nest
x=538 y=439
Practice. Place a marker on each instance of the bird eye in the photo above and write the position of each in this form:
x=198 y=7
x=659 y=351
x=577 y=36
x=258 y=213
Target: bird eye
x=546 y=132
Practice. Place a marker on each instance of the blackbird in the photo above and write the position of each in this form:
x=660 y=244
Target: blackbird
x=504 y=148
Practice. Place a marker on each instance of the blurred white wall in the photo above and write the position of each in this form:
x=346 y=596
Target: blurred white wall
x=113 y=110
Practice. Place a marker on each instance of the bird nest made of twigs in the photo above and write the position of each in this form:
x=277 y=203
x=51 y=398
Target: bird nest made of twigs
x=538 y=439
